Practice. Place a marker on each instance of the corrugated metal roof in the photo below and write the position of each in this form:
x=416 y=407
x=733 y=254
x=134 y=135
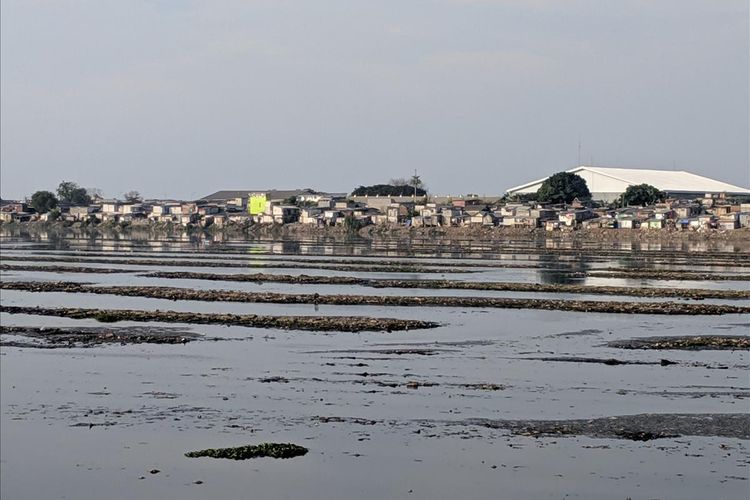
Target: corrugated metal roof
x=666 y=180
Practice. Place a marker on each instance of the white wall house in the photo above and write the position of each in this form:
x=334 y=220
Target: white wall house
x=607 y=184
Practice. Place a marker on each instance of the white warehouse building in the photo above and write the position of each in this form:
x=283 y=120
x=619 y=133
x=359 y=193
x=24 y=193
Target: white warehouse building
x=607 y=184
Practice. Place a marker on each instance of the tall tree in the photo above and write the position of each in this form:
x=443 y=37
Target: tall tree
x=70 y=192
x=133 y=196
x=563 y=187
x=43 y=201
x=387 y=190
x=642 y=195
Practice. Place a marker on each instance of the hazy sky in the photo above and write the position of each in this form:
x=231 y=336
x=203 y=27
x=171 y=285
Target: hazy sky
x=182 y=98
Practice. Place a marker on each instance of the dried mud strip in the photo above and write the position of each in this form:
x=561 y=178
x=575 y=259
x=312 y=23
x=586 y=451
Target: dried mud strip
x=66 y=269
x=168 y=293
x=686 y=343
x=173 y=263
x=308 y=323
x=304 y=279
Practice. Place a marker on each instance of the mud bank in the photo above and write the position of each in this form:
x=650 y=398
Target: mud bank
x=308 y=323
x=458 y=285
x=63 y=269
x=686 y=343
x=270 y=450
x=665 y=275
x=364 y=268
x=175 y=294
x=640 y=427
x=59 y=338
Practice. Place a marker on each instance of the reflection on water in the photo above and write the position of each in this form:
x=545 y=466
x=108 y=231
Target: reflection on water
x=560 y=271
x=342 y=244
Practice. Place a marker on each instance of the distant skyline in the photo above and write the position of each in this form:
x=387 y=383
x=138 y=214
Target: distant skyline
x=182 y=98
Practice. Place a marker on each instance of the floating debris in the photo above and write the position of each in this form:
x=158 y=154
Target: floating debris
x=271 y=450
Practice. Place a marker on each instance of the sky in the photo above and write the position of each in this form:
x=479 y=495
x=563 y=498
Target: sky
x=180 y=98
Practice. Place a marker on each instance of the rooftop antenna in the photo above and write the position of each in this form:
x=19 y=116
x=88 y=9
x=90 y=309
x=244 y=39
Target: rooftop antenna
x=579 y=151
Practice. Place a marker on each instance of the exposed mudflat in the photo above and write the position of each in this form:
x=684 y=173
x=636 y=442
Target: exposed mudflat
x=57 y=338
x=174 y=293
x=529 y=375
x=691 y=343
x=319 y=323
x=642 y=427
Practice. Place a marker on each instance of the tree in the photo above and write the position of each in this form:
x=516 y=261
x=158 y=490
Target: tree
x=387 y=190
x=72 y=193
x=43 y=201
x=642 y=194
x=563 y=187
x=133 y=197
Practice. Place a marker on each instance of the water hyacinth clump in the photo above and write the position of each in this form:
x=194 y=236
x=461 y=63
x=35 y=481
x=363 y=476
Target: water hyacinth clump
x=272 y=450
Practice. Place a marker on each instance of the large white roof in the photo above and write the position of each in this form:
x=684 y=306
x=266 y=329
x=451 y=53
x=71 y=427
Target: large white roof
x=666 y=180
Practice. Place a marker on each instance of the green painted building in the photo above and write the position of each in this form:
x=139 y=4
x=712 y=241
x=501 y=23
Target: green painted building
x=256 y=203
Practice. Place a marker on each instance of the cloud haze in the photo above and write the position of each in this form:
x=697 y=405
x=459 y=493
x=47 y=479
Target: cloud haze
x=181 y=98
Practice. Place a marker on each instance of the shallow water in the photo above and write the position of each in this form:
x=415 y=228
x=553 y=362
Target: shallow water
x=86 y=423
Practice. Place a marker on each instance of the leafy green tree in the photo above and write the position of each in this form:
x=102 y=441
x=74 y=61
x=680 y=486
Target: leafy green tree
x=70 y=192
x=43 y=201
x=642 y=195
x=388 y=190
x=563 y=187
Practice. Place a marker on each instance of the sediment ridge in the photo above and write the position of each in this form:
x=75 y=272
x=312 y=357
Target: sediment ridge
x=170 y=293
x=309 y=323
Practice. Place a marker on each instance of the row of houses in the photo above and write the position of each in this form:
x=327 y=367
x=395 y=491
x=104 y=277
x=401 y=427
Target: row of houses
x=322 y=210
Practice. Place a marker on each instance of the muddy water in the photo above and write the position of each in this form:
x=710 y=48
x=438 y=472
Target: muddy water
x=384 y=415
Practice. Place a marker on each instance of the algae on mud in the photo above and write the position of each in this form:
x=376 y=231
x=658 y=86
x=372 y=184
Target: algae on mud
x=271 y=450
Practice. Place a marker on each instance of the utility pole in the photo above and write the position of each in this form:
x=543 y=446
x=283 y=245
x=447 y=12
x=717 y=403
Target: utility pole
x=415 y=182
